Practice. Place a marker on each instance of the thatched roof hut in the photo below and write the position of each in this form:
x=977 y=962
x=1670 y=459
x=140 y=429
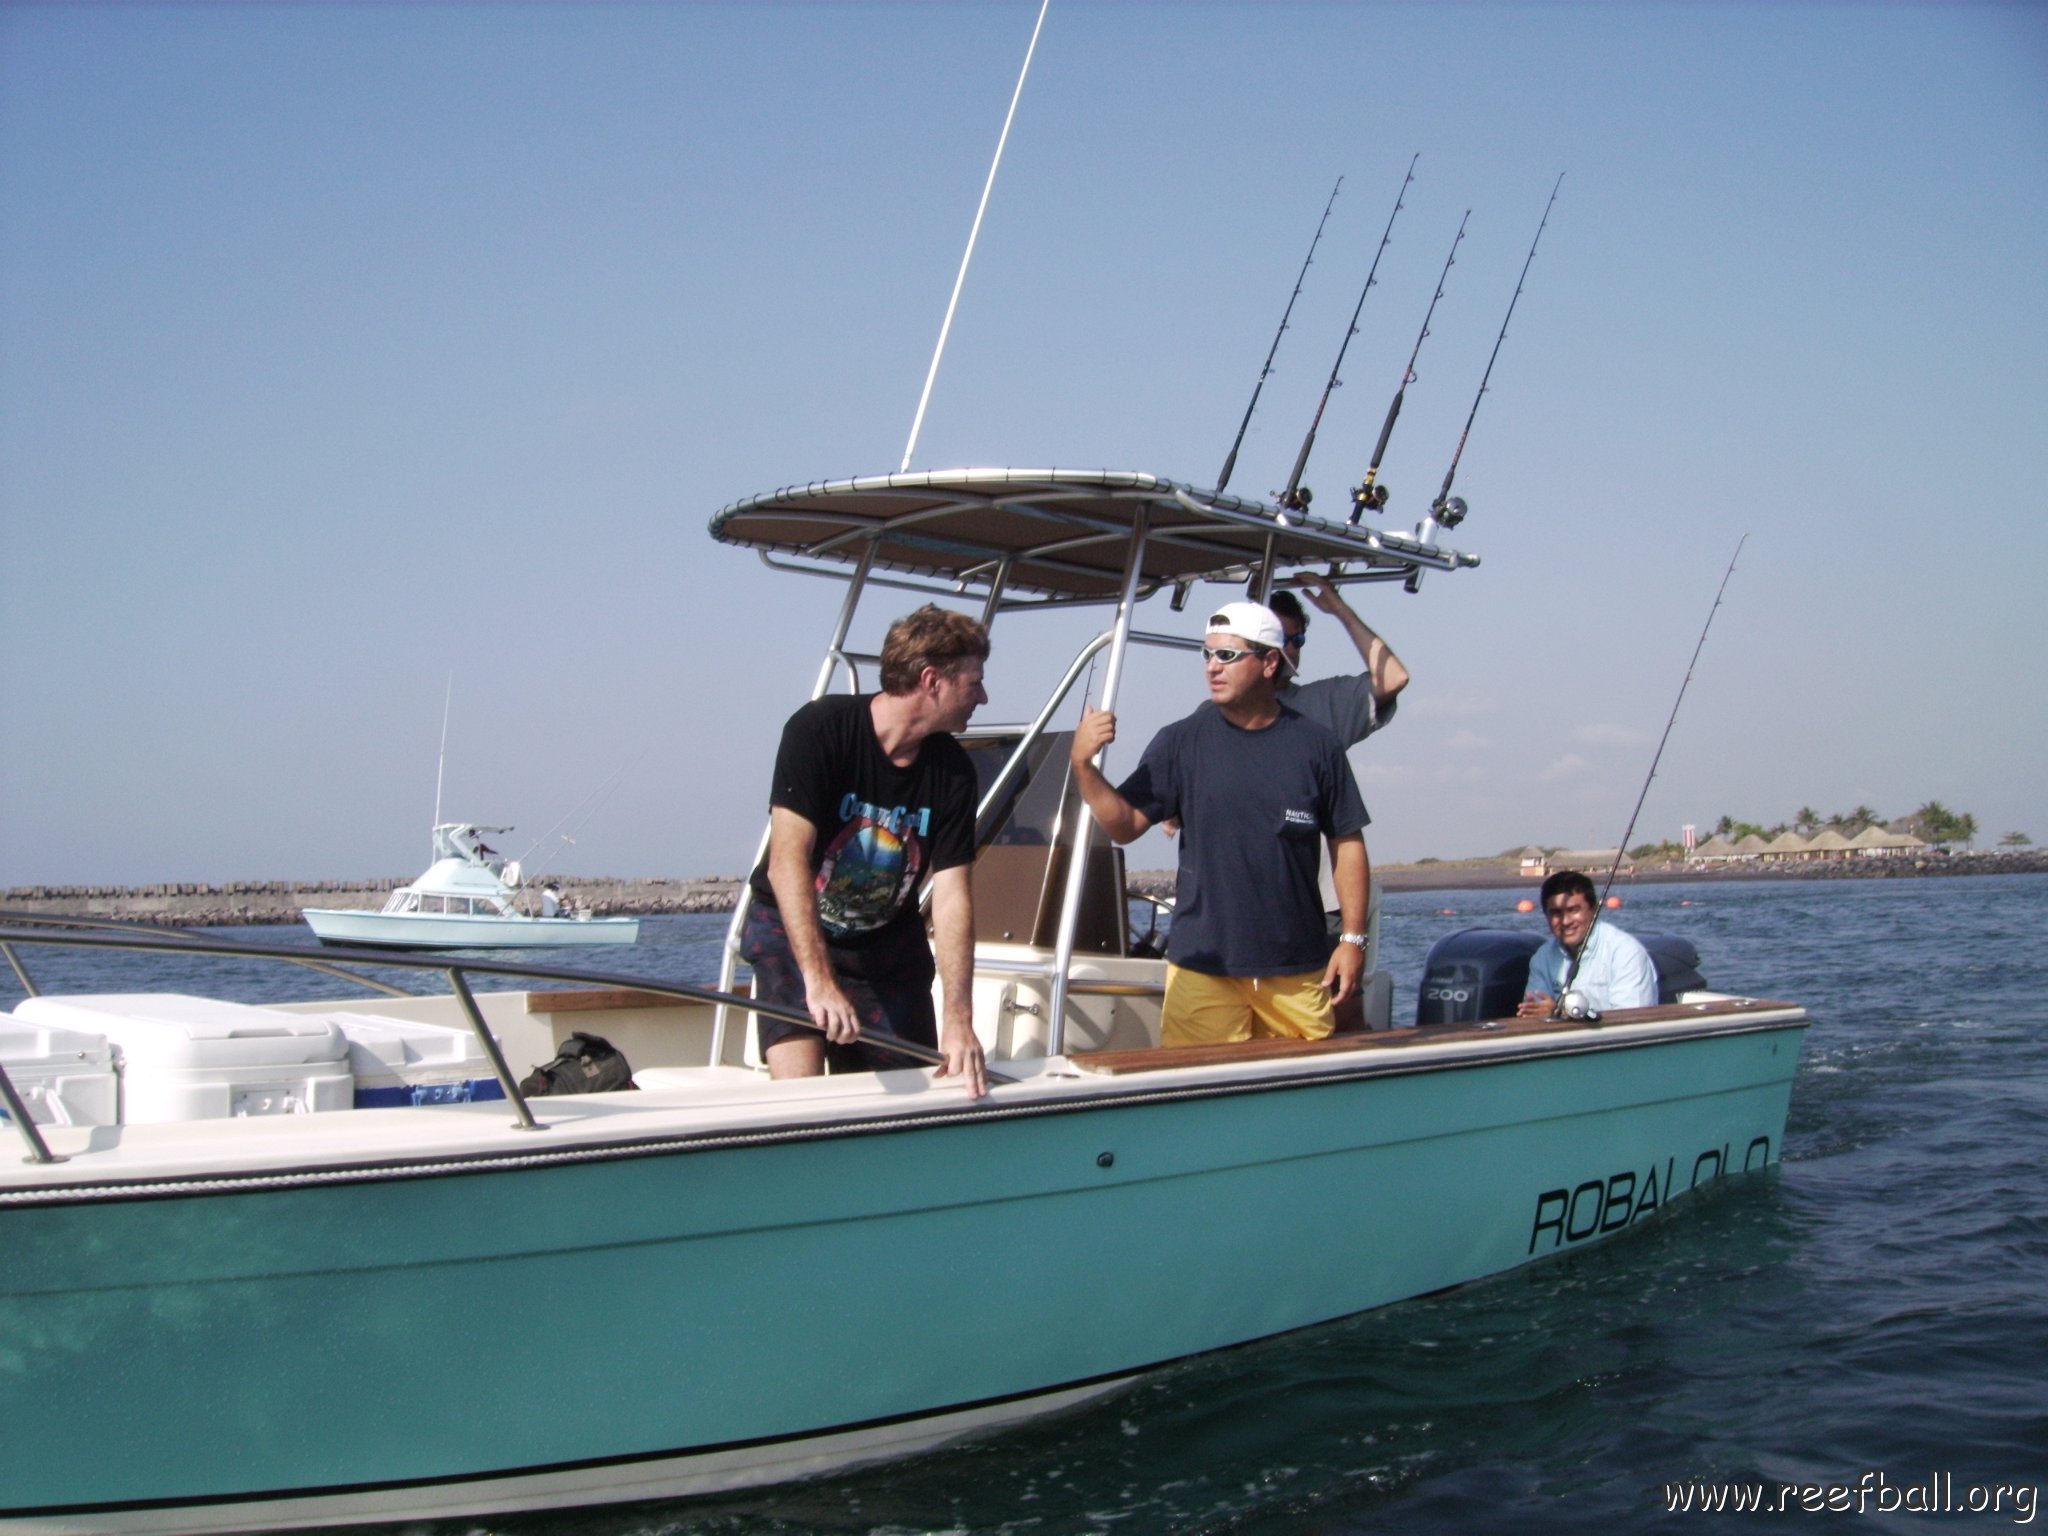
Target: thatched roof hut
x=1883 y=841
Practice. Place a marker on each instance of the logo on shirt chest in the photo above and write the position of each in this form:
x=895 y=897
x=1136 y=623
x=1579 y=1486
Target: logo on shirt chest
x=894 y=819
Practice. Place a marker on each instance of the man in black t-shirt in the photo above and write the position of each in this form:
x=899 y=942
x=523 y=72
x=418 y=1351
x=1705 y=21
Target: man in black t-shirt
x=871 y=796
x=1257 y=789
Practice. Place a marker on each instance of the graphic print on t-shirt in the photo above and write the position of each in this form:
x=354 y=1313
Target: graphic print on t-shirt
x=871 y=867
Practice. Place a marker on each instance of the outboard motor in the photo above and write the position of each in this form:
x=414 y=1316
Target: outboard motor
x=1482 y=973
x=1677 y=962
x=1476 y=973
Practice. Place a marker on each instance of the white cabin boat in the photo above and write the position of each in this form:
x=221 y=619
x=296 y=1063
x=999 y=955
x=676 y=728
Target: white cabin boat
x=240 y=1322
x=468 y=899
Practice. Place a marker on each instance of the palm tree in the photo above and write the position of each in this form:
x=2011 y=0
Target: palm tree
x=1807 y=819
x=1933 y=821
x=2015 y=840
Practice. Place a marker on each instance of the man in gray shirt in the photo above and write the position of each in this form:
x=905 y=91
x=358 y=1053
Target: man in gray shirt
x=1353 y=705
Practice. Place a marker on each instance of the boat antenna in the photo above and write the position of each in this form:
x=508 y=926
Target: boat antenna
x=1572 y=974
x=1449 y=510
x=440 y=767
x=917 y=422
x=1369 y=496
x=1230 y=463
x=1295 y=498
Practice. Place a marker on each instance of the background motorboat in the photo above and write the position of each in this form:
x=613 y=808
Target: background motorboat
x=468 y=899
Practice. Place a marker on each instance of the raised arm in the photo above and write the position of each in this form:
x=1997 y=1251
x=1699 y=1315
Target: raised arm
x=1385 y=669
x=1117 y=816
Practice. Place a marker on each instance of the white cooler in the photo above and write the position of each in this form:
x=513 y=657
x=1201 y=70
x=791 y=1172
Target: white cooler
x=195 y=1058
x=64 y=1076
x=403 y=1062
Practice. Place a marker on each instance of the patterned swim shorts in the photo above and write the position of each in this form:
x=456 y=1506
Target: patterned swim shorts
x=888 y=980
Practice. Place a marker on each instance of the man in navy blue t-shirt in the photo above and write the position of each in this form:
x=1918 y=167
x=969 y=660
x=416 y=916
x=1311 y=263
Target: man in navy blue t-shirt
x=1257 y=789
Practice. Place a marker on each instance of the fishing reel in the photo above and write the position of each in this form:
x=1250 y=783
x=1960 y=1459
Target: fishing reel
x=1449 y=512
x=1367 y=498
x=1573 y=1005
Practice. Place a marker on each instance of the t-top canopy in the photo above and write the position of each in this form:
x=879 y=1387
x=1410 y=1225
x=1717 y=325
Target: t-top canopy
x=1064 y=533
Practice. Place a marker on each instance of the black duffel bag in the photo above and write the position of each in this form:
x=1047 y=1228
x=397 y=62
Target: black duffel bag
x=585 y=1064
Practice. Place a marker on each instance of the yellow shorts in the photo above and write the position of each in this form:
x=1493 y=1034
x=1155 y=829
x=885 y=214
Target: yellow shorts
x=1209 y=1010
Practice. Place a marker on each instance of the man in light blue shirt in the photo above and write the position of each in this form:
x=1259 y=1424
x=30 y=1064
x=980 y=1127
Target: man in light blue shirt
x=1614 y=971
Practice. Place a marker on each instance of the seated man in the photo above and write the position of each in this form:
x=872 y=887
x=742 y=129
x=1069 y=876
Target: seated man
x=1613 y=970
x=1257 y=789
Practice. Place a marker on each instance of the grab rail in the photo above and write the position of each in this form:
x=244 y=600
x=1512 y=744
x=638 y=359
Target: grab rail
x=457 y=972
x=122 y=925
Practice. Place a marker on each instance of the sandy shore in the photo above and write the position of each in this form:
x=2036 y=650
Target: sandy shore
x=252 y=903
x=1475 y=876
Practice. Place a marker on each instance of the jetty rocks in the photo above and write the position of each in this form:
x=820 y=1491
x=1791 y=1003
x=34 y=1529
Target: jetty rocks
x=255 y=903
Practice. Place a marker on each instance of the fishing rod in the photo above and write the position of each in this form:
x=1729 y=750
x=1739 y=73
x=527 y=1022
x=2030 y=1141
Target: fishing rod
x=1296 y=497
x=1566 y=1001
x=1368 y=496
x=577 y=814
x=1449 y=510
x=441 y=763
x=1230 y=463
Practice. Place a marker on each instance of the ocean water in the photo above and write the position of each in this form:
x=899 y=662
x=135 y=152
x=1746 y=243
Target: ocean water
x=1867 y=1323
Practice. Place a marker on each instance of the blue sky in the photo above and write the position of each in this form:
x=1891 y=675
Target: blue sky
x=343 y=348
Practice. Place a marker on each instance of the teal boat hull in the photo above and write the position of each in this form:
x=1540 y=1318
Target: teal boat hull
x=708 y=1310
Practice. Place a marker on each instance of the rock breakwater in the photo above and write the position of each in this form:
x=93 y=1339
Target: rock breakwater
x=256 y=903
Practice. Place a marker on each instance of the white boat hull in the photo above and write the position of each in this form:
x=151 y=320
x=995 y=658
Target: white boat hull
x=436 y=930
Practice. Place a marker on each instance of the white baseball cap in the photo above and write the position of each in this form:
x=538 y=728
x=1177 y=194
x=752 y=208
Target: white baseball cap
x=1251 y=621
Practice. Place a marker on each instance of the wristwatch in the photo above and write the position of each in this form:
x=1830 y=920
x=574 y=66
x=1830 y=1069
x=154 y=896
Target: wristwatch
x=1352 y=938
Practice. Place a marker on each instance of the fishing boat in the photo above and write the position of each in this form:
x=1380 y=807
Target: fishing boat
x=467 y=899
x=240 y=1320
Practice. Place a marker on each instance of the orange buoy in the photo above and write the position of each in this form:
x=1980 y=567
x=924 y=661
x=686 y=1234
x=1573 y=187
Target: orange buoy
x=1613 y=902
x=1525 y=905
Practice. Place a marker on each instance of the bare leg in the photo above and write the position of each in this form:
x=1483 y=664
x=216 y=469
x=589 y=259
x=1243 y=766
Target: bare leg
x=799 y=1056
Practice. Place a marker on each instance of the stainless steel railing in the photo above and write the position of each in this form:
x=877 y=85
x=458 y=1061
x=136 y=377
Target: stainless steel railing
x=93 y=933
